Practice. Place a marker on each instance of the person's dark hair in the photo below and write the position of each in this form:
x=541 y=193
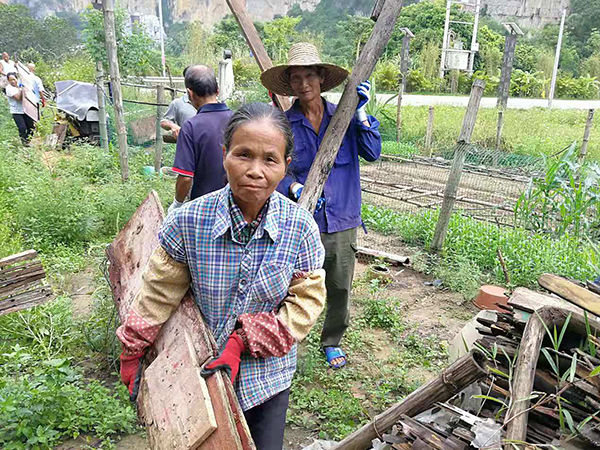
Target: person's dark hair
x=185 y=70
x=201 y=81
x=253 y=112
x=13 y=74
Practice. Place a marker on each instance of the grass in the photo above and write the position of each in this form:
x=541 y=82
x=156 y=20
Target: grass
x=470 y=252
x=526 y=132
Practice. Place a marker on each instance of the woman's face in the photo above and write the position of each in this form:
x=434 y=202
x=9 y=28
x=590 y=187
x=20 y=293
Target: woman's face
x=12 y=80
x=255 y=162
x=306 y=83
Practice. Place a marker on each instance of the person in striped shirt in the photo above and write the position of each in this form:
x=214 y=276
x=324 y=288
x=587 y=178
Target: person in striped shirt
x=253 y=260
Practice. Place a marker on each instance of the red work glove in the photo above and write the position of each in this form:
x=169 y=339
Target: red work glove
x=131 y=373
x=229 y=359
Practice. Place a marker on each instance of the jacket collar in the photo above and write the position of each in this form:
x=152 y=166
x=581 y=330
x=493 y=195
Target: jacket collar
x=295 y=112
x=209 y=107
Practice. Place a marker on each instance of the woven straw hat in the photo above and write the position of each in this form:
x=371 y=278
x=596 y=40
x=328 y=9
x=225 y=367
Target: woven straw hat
x=301 y=54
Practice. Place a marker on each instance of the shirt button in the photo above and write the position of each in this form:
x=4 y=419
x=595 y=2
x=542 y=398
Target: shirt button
x=243 y=282
x=246 y=251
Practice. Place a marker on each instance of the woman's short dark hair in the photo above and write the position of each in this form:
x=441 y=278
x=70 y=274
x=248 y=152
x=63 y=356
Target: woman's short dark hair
x=12 y=74
x=253 y=112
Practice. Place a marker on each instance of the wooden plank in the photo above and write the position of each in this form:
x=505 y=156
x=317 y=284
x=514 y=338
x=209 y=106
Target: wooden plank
x=252 y=38
x=4 y=271
x=571 y=292
x=21 y=273
x=528 y=300
x=9 y=288
x=178 y=396
x=28 y=254
x=372 y=51
x=34 y=299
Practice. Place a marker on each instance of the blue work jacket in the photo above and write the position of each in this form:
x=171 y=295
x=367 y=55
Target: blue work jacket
x=342 y=188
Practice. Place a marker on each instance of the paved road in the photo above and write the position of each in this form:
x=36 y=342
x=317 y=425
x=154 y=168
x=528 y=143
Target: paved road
x=516 y=103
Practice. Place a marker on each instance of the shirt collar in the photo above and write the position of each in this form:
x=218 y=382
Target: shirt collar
x=186 y=98
x=224 y=220
x=295 y=112
x=209 y=107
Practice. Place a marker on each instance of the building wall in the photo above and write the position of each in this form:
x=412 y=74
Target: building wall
x=527 y=13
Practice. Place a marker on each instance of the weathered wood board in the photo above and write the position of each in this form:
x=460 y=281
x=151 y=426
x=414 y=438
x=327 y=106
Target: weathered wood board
x=572 y=292
x=174 y=384
x=128 y=255
x=22 y=282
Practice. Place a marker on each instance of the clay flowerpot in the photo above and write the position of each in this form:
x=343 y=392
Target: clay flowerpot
x=489 y=296
x=380 y=272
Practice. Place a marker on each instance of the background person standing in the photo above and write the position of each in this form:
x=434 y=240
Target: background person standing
x=180 y=110
x=14 y=94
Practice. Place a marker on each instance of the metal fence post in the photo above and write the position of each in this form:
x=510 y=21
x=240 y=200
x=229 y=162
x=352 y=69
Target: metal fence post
x=457 y=165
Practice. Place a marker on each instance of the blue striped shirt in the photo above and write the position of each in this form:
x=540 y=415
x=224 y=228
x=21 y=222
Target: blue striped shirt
x=229 y=278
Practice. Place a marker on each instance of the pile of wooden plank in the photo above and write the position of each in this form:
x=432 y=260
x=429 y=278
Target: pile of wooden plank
x=22 y=282
x=542 y=388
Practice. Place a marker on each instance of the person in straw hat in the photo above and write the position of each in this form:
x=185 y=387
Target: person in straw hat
x=337 y=213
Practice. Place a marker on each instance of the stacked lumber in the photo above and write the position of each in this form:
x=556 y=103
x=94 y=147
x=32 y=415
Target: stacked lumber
x=542 y=386
x=22 y=282
x=181 y=410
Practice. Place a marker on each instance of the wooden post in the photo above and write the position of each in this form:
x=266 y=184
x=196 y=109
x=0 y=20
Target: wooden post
x=377 y=10
x=115 y=79
x=507 y=67
x=404 y=60
x=455 y=174
x=466 y=370
x=372 y=51
x=160 y=99
x=429 y=132
x=586 y=136
x=499 y=129
x=258 y=49
x=101 y=106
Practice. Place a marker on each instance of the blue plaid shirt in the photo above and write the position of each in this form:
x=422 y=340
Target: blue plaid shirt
x=230 y=278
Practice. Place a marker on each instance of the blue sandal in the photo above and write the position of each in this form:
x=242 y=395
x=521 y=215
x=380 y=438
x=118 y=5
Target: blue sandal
x=332 y=353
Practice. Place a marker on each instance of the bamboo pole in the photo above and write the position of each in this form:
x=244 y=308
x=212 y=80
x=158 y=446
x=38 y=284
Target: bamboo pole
x=160 y=99
x=586 y=136
x=115 y=79
x=457 y=165
x=468 y=369
x=101 y=106
x=372 y=51
x=429 y=134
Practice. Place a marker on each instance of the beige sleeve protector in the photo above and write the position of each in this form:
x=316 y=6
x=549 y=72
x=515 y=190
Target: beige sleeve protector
x=304 y=303
x=164 y=284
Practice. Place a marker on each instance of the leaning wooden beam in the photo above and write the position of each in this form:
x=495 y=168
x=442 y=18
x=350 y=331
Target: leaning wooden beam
x=468 y=369
x=524 y=372
x=258 y=49
x=372 y=51
x=171 y=412
x=572 y=292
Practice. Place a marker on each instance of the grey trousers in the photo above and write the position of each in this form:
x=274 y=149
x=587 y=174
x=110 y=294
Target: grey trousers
x=340 y=249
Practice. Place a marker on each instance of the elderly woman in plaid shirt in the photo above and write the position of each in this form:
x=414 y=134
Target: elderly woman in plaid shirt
x=253 y=260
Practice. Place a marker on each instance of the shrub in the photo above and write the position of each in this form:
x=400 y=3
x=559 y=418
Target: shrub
x=245 y=73
x=387 y=76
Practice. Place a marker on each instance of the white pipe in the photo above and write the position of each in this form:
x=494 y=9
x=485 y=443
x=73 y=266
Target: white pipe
x=474 y=39
x=445 y=39
x=162 y=41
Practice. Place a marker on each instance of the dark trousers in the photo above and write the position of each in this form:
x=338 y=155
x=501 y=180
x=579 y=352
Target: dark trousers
x=267 y=421
x=26 y=125
x=340 y=250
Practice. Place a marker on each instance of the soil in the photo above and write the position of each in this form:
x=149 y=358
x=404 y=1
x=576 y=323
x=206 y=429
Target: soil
x=81 y=287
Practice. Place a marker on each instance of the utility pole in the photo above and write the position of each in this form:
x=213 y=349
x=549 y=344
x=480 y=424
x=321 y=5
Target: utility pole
x=445 y=38
x=162 y=40
x=115 y=80
x=557 y=58
x=474 y=44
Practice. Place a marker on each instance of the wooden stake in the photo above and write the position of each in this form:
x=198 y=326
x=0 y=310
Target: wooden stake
x=403 y=77
x=372 y=51
x=258 y=49
x=586 y=136
x=115 y=80
x=429 y=134
x=101 y=106
x=455 y=174
x=507 y=66
x=499 y=130
x=468 y=369
x=158 y=148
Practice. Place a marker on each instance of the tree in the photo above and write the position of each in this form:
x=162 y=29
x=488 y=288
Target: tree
x=279 y=35
x=584 y=19
x=137 y=52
